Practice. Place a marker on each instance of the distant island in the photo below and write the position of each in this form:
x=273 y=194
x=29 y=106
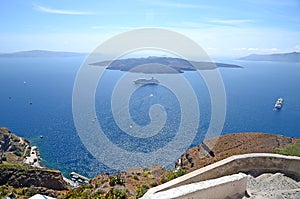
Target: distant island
x=40 y=53
x=284 y=57
x=158 y=65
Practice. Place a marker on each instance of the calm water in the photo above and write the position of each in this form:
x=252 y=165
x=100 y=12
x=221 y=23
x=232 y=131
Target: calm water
x=48 y=85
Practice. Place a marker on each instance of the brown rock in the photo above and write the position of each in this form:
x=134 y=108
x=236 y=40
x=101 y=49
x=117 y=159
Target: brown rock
x=218 y=148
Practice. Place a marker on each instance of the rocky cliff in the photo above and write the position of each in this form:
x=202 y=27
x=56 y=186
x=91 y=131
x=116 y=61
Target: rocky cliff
x=24 y=176
x=21 y=180
x=12 y=147
x=133 y=182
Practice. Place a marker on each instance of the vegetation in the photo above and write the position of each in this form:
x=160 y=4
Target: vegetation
x=28 y=151
x=14 y=166
x=293 y=150
x=4 y=158
x=82 y=191
x=172 y=174
x=25 y=192
x=116 y=180
x=86 y=191
x=117 y=193
x=141 y=191
x=18 y=153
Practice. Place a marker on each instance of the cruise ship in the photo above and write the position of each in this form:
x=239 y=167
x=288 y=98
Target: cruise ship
x=278 y=104
x=143 y=81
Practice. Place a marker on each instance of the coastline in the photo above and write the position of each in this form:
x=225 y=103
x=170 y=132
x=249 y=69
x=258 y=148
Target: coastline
x=34 y=158
x=136 y=181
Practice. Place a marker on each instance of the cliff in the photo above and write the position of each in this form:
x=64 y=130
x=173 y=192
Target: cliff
x=19 y=176
x=23 y=181
x=19 y=179
x=12 y=147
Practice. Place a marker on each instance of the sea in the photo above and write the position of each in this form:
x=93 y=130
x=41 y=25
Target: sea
x=36 y=103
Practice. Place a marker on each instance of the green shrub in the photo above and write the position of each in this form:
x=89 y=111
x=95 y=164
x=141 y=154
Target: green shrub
x=28 y=151
x=170 y=175
x=30 y=192
x=293 y=150
x=3 y=191
x=116 y=180
x=4 y=158
x=120 y=193
x=141 y=191
x=17 y=153
x=153 y=184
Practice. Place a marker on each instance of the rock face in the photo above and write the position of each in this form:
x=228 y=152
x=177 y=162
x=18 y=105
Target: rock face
x=9 y=142
x=4 y=141
x=134 y=182
x=23 y=176
x=14 y=173
x=218 y=148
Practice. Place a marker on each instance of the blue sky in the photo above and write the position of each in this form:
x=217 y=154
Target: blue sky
x=222 y=28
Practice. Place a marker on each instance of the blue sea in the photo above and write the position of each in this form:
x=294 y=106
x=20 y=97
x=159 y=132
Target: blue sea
x=36 y=99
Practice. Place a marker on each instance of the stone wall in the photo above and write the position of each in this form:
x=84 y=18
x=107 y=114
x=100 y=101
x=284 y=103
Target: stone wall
x=232 y=186
x=255 y=163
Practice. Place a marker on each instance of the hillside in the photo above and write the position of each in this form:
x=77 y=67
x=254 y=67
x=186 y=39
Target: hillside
x=20 y=180
x=136 y=181
x=23 y=180
x=218 y=148
x=284 y=57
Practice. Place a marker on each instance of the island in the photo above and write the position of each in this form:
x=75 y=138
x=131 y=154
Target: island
x=283 y=57
x=161 y=65
x=41 y=53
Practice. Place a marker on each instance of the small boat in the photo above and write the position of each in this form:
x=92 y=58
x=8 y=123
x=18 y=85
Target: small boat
x=143 y=81
x=278 y=104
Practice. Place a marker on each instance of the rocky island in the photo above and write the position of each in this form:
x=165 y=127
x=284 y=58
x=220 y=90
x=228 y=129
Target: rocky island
x=161 y=65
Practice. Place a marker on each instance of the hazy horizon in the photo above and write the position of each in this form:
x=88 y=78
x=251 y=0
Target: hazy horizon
x=222 y=28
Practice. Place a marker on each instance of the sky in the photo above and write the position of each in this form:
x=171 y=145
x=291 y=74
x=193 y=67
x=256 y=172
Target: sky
x=220 y=27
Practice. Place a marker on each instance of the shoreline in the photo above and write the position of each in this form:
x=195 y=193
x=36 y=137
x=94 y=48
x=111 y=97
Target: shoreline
x=34 y=158
x=131 y=179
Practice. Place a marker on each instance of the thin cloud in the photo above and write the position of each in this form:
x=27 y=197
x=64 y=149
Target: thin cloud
x=209 y=23
x=177 y=5
x=62 y=12
x=259 y=50
x=230 y=22
x=96 y=27
x=297 y=47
